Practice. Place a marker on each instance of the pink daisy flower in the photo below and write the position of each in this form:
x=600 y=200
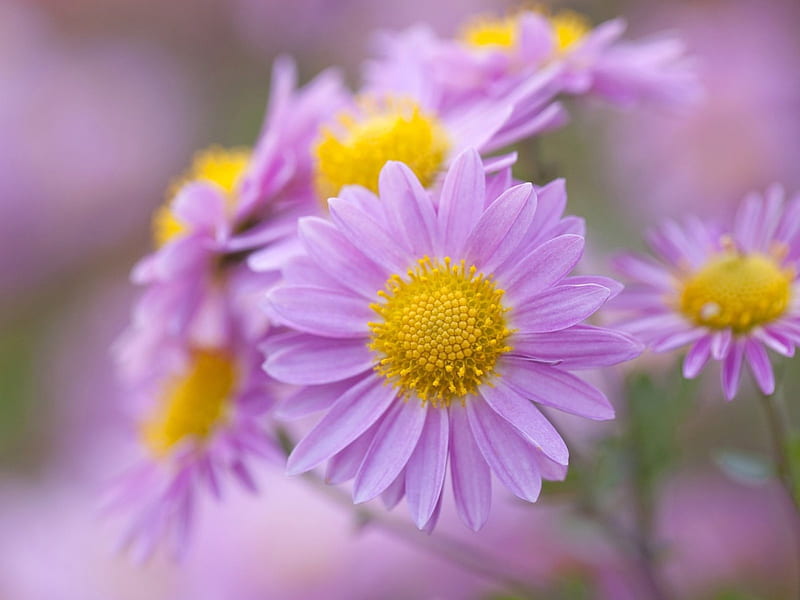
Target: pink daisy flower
x=231 y=201
x=429 y=330
x=729 y=293
x=199 y=413
x=493 y=55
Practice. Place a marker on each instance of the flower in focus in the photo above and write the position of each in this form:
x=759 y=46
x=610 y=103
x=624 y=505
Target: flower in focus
x=424 y=329
x=492 y=55
x=729 y=293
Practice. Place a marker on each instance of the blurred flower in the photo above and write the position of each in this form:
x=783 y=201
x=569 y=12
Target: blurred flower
x=463 y=355
x=494 y=55
x=730 y=292
x=400 y=116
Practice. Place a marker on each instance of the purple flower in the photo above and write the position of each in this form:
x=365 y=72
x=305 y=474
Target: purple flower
x=424 y=328
x=727 y=292
x=492 y=56
x=401 y=115
x=198 y=409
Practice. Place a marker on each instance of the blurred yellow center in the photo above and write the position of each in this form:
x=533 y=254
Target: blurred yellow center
x=355 y=151
x=440 y=332
x=569 y=28
x=222 y=167
x=489 y=32
x=737 y=291
x=194 y=404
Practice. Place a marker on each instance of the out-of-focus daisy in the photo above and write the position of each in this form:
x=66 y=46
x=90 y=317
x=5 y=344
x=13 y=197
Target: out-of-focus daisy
x=425 y=330
x=402 y=116
x=728 y=292
x=231 y=201
x=494 y=54
x=199 y=414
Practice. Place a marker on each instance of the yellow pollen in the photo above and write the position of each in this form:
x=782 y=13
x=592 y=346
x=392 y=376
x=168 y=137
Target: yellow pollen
x=193 y=404
x=569 y=28
x=440 y=333
x=354 y=150
x=222 y=167
x=491 y=32
x=737 y=291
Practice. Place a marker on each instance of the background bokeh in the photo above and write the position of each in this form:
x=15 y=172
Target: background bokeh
x=103 y=102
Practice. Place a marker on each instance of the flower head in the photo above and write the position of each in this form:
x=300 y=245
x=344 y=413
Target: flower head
x=423 y=329
x=401 y=115
x=199 y=411
x=494 y=55
x=728 y=292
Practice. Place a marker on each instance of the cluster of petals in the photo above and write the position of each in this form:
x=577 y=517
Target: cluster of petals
x=397 y=445
x=598 y=62
x=766 y=228
x=199 y=298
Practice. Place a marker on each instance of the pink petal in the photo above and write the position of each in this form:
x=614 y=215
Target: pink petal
x=731 y=369
x=472 y=483
x=760 y=366
x=544 y=266
x=411 y=208
x=553 y=387
x=308 y=400
x=391 y=448
x=578 y=347
x=369 y=236
x=349 y=417
x=334 y=254
x=426 y=468
x=320 y=311
x=344 y=465
x=501 y=227
x=697 y=357
x=721 y=343
x=311 y=360
x=523 y=416
x=392 y=495
x=461 y=200
x=510 y=457
x=559 y=307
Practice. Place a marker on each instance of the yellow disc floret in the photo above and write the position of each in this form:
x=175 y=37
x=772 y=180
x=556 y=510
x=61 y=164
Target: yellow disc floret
x=193 y=404
x=569 y=28
x=219 y=166
x=354 y=151
x=737 y=291
x=491 y=32
x=440 y=333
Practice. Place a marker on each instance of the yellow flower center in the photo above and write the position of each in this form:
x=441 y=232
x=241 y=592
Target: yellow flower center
x=441 y=331
x=484 y=31
x=354 y=151
x=222 y=167
x=737 y=291
x=193 y=404
x=491 y=32
x=569 y=28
